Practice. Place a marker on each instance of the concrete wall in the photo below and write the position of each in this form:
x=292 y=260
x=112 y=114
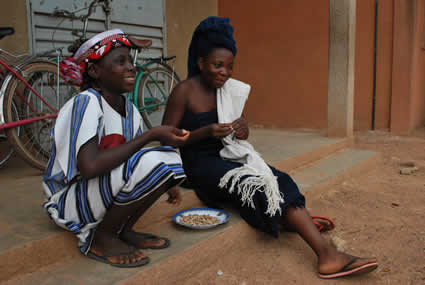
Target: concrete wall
x=182 y=18
x=13 y=14
x=342 y=53
x=283 y=53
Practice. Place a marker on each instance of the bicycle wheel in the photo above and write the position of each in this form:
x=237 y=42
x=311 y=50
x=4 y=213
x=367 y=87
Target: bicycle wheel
x=6 y=149
x=35 y=140
x=154 y=89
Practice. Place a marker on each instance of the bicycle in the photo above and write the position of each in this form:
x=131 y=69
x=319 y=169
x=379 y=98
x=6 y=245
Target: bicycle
x=29 y=117
x=30 y=96
x=155 y=77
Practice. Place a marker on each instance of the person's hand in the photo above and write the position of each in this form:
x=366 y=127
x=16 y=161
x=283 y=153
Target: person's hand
x=171 y=136
x=174 y=196
x=221 y=130
x=240 y=126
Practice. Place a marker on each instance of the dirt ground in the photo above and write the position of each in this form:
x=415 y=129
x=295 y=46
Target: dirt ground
x=379 y=213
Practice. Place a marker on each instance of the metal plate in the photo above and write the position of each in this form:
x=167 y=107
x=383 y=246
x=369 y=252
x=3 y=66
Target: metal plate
x=220 y=214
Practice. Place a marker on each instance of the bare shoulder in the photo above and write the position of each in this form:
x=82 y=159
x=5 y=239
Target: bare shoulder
x=182 y=90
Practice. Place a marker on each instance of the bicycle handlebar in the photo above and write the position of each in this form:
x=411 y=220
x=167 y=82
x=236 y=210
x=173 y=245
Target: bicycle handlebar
x=159 y=59
x=65 y=13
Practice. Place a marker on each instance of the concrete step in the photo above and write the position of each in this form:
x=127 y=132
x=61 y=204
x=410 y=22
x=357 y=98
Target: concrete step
x=287 y=150
x=54 y=258
x=333 y=168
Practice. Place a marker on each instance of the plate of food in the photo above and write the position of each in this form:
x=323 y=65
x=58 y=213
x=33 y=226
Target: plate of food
x=201 y=218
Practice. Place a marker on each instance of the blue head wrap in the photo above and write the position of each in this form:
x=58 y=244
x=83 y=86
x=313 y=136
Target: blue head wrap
x=211 y=33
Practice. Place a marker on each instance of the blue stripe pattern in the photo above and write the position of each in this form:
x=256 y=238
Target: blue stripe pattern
x=47 y=179
x=163 y=171
x=83 y=205
x=127 y=121
x=84 y=247
x=51 y=161
x=130 y=118
x=133 y=160
x=74 y=227
x=62 y=204
x=80 y=103
x=105 y=191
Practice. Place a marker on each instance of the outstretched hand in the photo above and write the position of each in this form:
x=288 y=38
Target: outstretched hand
x=240 y=126
x=171 y=136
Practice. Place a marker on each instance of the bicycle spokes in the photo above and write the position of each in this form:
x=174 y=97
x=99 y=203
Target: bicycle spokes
x=34 y=112
x=156 y=86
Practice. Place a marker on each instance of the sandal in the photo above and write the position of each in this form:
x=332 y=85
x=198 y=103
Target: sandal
x=104 y=258
x=345 y=271
x=323 y=224
x=144 y=236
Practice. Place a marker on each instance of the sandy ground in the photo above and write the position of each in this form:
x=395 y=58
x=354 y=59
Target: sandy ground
x=379 y=213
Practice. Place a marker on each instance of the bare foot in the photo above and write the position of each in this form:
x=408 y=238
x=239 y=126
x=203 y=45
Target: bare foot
x=105 y=246
x=143 y=240
x=341 y=264
x=322 y=226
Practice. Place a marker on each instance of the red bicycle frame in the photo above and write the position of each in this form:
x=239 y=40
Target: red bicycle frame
x=32 y=120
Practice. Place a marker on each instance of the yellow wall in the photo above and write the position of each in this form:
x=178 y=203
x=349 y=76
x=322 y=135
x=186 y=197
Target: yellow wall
x=182 y=18
x=13 y=14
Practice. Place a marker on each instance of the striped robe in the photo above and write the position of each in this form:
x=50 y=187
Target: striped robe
x=78 y=205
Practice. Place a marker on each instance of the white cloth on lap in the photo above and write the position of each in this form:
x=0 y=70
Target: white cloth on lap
x=254 y=175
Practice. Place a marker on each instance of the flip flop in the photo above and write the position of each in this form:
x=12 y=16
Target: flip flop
x=144 y=236
x=323 y=224
x=104 y=258
x=366 y=268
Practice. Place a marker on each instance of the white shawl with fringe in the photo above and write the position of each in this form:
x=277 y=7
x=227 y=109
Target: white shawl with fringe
x=231 y=100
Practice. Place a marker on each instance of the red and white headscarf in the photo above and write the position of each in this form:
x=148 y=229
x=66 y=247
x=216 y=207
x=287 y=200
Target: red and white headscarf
x=73 y=68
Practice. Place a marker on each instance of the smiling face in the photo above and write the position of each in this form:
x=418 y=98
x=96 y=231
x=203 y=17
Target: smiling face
x=217 y=67
x=115 y=71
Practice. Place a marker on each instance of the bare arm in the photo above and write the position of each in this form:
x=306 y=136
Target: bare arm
x=177 y=105
x=93 y=162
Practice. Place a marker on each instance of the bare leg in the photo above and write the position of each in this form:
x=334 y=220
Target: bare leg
x=128 y=235
x=329 y=259
x=106 y=236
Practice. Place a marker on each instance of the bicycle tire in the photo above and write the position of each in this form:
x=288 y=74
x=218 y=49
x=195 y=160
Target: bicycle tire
x=6 y=149
x=151 y=102
x=34 y=143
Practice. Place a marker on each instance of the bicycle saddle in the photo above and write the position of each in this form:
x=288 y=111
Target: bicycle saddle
x=6 y=32
x=139 y=43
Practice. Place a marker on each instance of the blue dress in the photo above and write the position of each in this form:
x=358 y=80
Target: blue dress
x=204 y=168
